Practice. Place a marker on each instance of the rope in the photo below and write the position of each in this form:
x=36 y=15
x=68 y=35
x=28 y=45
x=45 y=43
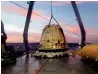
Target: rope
x=56 y=21
x=40 y=15
x=52 y=16
x=27 y=9
x=51 y=9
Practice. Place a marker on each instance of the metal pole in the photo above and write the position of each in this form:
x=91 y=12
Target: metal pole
x=83 y=33
x=25 y=34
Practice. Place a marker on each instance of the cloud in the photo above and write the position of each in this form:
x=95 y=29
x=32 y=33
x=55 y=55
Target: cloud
x=12 y=27
x=60 y=3
x=91 y=34
x=23 y=12
x=71 y=32
x=71 y=38
x=16 y=37
x=15 y=28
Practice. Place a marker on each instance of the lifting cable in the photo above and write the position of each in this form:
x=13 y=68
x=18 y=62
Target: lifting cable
x=52 y=15
x=27 y=9
x=38 y=14
x=42 y=16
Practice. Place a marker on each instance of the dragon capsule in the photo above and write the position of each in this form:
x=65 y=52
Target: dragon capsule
x=52 y=42
x=52 y=39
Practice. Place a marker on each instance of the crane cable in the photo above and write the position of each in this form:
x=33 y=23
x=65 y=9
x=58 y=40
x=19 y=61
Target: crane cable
x=27 y=9
x=52 y=15
x=38 y=14
x=42 y=16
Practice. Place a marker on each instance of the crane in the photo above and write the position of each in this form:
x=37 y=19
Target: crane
x=25 y=33
x=83 y=33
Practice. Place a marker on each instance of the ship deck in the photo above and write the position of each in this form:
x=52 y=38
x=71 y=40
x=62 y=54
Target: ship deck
x=31 y=65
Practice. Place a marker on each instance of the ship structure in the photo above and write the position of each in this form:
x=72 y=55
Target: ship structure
x=53 y=44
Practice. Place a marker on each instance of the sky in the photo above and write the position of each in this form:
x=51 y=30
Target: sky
x=14 y=18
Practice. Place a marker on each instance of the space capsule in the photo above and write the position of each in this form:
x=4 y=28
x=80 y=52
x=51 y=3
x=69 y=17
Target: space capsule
x=52 y=42
x=52 y=39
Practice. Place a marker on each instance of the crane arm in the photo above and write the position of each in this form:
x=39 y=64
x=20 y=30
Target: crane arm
x=25 y=34
x=83 y=33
